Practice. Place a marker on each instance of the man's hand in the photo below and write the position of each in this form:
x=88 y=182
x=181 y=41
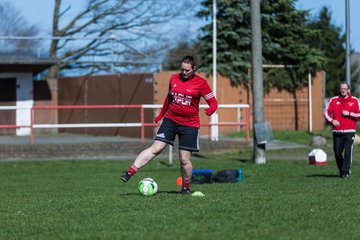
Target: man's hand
x=335 y=123
x=345 y=113
x=157 y=119
x=208 y=112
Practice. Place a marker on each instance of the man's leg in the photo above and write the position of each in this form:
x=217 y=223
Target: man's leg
x=188 y=143
x=144 y=158
x=348 y=145
x=186 y=169
x=338 y=147
x=148 y=154
x=165 y=135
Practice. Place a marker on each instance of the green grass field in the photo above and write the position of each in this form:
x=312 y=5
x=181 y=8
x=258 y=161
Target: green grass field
x=283 y=199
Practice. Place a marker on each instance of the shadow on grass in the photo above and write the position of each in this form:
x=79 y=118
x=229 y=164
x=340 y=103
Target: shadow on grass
x=198 y=155
x=324 y=175
x=158 y=193
x=195 y=155
x=243 y=160
x=166 y=163
x=168 y=192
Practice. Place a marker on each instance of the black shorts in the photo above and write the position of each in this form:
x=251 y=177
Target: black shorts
x=188 y=136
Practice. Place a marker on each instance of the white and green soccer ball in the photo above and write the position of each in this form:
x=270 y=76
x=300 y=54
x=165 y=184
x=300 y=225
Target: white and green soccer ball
x=147 y=187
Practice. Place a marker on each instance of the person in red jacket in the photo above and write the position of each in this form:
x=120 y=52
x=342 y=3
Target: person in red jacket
x=343 y=112
x=181 y=117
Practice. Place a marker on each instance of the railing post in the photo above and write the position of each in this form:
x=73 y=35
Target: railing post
x=210 y=124
x=31 y=125
x=170 y=162
x=142 y=124
x=248 y=124
x=239 y=118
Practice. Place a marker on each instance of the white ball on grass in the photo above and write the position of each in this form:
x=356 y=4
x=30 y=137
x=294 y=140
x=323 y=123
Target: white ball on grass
x=148 y=187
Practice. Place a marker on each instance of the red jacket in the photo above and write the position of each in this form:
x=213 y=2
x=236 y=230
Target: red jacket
x=334 y=110
x=182 y=103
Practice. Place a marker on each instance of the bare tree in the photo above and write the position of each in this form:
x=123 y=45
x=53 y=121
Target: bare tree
x=128 y=32
x=13 y=24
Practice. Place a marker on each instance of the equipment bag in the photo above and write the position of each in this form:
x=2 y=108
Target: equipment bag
x=200 y=176
x=228 y=175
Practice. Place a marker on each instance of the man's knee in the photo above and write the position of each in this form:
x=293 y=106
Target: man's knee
x=157 y=147
x=184 y=157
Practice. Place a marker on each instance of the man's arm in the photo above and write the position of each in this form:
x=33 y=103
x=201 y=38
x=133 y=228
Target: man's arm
x=328 y=114
x=356 y=112
x=212 y=102
x=163 y=109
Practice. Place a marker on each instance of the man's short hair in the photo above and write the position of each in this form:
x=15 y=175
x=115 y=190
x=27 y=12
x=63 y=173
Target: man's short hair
x=346 y=84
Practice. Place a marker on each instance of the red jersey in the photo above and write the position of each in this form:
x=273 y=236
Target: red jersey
x=334 y=111
x=184 y=99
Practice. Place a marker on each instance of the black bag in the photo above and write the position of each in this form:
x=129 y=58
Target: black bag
x=228 y=175
x=201 y=176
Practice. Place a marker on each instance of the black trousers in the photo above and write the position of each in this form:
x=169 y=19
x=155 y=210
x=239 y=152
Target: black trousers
x=343 y=143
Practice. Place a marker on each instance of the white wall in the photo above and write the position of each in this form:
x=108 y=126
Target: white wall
x=24 y=99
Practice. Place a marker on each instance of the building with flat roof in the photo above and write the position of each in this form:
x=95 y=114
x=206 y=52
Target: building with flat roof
x=17 y=89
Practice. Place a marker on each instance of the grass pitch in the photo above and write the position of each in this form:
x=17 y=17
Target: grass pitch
x=283 y=199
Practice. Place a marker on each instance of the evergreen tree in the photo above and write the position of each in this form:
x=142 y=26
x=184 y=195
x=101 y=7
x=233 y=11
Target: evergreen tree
x=285 y=42
x=285 y=39
x=233 y=39
x=291 y=36
x=289 y=32
x=333 y=43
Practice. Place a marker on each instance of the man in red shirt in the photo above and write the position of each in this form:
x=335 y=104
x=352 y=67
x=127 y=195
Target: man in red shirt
x=181 y=117
x=343 y=112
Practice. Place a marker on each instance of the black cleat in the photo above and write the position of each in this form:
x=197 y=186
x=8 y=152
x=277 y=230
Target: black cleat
x=185 y=191
x=125 y=177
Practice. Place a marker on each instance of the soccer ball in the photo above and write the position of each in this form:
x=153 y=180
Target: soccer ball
x=147 y=187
